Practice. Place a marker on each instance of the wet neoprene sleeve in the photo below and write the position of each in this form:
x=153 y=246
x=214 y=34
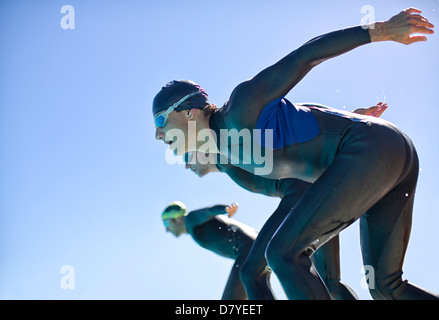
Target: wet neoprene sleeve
x=200 y=216
x=333 y=44
x=277 y=80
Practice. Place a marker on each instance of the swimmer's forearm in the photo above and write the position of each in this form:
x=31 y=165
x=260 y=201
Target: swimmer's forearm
x=334 y=44
x=201 y=216
x=277 y=80
x=218 y=209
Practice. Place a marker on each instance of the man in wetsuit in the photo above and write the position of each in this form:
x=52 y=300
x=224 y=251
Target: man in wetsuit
x=329 y=148
x=254 y=272
x=217 y=233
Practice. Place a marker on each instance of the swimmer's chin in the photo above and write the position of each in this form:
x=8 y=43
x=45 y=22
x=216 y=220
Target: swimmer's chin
x=201 y=174
x=177 y=153
x=175 y=150
x=177 y=235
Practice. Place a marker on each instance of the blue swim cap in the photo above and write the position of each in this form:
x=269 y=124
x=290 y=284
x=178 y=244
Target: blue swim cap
x=176 y=90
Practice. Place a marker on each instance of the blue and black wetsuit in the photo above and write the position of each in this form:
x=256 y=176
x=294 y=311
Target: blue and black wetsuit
x=334 y=152
x=226 y=237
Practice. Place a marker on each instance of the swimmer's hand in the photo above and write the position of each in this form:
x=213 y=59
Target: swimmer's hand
x=374 y=111
x=401 y=27
x=231 y=209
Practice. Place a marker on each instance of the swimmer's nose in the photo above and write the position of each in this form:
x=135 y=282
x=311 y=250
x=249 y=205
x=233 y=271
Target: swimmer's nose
x=159 y=134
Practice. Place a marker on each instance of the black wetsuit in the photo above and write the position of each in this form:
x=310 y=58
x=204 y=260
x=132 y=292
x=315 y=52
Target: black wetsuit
x=226 y=237
x=336 y=158
x=254 y=273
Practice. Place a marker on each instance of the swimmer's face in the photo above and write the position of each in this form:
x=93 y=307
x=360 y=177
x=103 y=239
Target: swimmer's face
x=176 y=226
x=200 y=169
x=175 y=132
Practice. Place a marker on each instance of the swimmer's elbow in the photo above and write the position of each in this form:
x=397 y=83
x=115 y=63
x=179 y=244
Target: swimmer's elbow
x=307 y=59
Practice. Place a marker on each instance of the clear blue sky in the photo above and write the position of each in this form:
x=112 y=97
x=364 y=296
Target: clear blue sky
x=83 y=181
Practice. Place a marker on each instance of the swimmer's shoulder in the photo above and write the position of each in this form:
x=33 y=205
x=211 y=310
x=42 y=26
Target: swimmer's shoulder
x=192 y=221
x=244 y=106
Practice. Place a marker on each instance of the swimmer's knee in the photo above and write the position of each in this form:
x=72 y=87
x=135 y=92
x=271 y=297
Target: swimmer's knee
x=279 y=256
x=250 y=273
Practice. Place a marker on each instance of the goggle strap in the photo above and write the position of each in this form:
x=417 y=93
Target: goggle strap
x=175 y=105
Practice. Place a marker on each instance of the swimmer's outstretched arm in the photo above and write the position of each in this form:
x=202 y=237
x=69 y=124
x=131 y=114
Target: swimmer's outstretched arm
x=277 y=80
x=201 y=216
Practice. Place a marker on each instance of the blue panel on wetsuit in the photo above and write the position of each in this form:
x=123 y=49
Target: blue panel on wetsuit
x=290 y=124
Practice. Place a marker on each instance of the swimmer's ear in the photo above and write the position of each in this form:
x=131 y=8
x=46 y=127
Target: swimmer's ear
x=190 y=114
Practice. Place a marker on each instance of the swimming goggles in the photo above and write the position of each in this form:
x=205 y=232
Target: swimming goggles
x=161 y=117
x=174 y=214
x=167 y=223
